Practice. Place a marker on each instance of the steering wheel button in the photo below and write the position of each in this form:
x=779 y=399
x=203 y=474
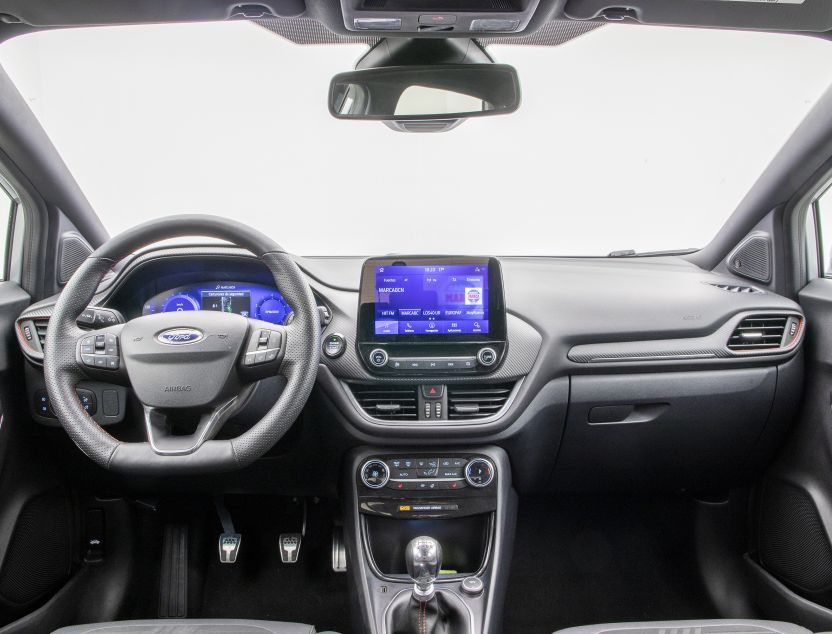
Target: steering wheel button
x=260 y=357
x=112 y=362
x=274 y=340
x=100 y=361
x=271 y=355
x=88 y=359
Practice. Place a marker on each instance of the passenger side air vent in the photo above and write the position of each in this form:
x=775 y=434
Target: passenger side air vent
x=387 y=402
x=735 y=288
x=470 y=402
x=764 y=332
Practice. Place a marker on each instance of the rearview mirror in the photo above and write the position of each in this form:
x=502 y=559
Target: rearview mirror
x=425 y=93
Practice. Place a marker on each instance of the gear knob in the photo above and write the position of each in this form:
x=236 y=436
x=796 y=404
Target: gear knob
x=424 y=560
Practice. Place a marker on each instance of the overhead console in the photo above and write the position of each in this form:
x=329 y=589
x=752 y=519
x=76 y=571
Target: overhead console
x=438 y=16
x=422 y=315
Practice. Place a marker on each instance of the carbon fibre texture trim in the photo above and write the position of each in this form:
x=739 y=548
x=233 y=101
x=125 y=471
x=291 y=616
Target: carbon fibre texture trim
x=306 y=31
x=695 y=353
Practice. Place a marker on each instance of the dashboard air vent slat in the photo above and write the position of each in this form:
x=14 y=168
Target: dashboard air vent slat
x=41 y=325
x=387 y=402
x=736 y=288
x=761 y=332
x=469 y=402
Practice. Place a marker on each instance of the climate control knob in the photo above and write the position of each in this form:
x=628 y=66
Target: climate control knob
x=375 y=474
x=479 y=473
x=487 y=357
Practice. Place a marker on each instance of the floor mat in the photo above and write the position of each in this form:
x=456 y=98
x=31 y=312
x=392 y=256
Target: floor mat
x=260 y=586
x=585 y=560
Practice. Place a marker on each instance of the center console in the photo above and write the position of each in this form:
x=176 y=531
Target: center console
x=405 y=507
x=431 y=316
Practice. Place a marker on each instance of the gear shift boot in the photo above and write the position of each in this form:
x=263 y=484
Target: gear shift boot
x=445 y=613
x=426 y=610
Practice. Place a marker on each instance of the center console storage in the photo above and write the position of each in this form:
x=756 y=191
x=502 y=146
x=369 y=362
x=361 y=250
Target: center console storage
x=461 y=501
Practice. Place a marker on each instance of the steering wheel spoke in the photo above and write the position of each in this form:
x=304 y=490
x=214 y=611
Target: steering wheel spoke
x=166 y=440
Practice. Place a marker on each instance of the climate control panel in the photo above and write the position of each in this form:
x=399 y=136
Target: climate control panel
x=427 y=473
x=429 y=483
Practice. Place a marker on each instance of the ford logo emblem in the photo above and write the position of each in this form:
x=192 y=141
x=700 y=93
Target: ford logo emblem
x=179 y=336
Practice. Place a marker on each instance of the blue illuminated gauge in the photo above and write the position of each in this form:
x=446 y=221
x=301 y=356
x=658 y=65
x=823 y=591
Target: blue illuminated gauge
x=179 y=303
x=274 y=309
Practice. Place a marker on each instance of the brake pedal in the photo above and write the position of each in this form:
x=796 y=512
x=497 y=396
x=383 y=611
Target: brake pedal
x=229 y=547
x=290 y=547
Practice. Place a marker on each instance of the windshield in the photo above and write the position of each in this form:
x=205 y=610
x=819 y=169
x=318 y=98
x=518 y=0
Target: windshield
x=628 y=137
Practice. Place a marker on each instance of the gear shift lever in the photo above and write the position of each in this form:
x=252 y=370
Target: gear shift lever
x=424 y=559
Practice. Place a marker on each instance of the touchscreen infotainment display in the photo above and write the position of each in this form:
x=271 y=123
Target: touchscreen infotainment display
x=435 y=299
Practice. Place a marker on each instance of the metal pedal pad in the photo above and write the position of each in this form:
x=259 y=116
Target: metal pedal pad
x=290 y=547
x=230 y=547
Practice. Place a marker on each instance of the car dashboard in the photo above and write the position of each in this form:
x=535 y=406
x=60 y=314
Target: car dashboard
x=592 y=373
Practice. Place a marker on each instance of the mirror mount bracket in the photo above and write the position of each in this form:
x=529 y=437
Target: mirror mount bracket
x=423 y=51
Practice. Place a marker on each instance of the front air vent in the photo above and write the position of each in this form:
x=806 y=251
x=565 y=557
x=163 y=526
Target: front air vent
x=763 y=332
x=735 y=288
x=470 y=402
x=41 y=325
x=387 y=402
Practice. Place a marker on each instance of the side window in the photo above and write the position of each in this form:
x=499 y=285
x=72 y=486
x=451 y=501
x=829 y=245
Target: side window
x=8 y=206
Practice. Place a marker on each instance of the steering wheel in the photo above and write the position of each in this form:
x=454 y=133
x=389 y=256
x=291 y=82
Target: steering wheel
x=197 y=366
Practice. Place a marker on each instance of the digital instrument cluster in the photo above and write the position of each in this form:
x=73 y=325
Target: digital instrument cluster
x=249 y=300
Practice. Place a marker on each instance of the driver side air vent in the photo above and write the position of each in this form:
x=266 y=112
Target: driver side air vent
x=41 y=326
x=764 y=332
x=470 y=402
x=387 y=402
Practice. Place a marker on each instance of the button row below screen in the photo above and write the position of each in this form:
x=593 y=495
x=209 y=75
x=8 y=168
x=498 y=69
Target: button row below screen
x=436 y=363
